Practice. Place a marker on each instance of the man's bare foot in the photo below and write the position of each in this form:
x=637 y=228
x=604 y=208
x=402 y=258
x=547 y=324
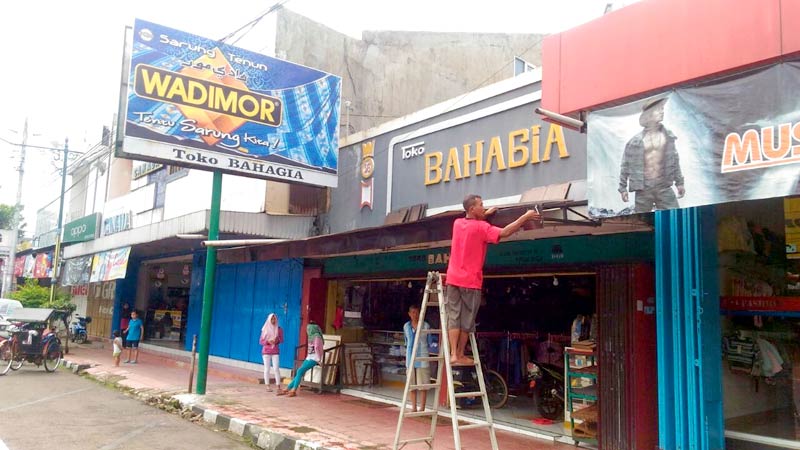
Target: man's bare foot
x=464 y=361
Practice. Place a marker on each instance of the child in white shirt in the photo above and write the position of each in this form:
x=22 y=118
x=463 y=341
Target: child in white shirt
x=117 y=348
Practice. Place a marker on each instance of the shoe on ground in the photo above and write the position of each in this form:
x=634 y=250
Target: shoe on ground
x=291 y=394
x=127 y=361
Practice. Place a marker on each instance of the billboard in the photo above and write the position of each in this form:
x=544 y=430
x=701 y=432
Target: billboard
x=110 y=265
x=196 y=102
x=730 y=140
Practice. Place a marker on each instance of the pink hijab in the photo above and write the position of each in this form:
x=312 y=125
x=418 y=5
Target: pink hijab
x=269 y=331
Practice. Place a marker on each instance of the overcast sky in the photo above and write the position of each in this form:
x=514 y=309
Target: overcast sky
x=61 y=60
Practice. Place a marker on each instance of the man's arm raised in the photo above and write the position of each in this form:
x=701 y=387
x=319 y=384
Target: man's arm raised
x=514 y=226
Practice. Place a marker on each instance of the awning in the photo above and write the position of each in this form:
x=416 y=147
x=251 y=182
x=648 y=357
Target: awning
x=561 y=218
x=159 y=238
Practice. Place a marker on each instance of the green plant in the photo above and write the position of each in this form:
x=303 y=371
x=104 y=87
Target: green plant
x=31 y=295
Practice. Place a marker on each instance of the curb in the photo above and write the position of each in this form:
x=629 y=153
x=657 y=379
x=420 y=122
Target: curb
x=75 y=367
x=261 y=437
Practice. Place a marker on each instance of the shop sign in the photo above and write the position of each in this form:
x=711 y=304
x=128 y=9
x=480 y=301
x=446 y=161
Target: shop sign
x=117 y=223
x=142 y=168
x=110 y=265
x=209 y=105
x=19 y=266
x=47 y=239
x=791 y=211
x=775 y=304
x=43 y=265
x=30 y=264
x=737 y=139
x=80 y=290
x=81 y=230
x=522 y=254
x=103 y=291
x=497 y=154
x=76 y=271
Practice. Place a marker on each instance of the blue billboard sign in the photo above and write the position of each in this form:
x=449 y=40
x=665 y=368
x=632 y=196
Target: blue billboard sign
x=196 y=102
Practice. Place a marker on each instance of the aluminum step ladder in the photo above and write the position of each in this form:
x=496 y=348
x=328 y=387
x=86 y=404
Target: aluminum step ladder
x=434 y=297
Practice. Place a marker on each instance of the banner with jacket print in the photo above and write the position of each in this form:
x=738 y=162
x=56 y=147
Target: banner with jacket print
x=733 y=139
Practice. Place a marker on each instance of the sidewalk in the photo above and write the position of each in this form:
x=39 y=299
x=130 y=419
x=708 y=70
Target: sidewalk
x=235 y=401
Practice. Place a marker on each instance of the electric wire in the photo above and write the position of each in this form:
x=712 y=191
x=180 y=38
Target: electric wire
x=253 y=22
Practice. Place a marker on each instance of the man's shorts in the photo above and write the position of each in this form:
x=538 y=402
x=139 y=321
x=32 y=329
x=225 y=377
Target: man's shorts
x=421 y=375
x=133 y=344
x=462 y=307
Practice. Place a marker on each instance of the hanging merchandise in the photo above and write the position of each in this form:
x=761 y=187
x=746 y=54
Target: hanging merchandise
x=577 y=328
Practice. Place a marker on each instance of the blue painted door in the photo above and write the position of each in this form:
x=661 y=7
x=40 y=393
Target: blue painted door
x=245 y=294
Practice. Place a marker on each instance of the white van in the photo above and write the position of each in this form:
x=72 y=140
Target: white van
x=8 y=306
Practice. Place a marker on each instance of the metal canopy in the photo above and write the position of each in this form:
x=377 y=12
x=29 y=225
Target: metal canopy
x=30 y=315
x=561 y=218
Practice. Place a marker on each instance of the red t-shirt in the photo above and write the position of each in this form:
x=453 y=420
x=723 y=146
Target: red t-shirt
x=468 y=252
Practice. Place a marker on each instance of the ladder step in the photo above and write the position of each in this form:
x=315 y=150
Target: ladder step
x=431 y=331
x=417 y=387
x=428 y=358
x=469 y=394
x=414 y=440
x=429 y=412
x=472 y=426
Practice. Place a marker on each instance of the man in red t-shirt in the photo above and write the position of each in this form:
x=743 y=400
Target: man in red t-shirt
x=471 y=236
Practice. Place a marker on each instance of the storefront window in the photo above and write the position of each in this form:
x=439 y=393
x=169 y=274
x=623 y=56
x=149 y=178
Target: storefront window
x=760 y=326
x=523 y=318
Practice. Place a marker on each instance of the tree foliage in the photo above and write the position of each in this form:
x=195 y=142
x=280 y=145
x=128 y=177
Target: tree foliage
x=31 y=295
x=7 y=218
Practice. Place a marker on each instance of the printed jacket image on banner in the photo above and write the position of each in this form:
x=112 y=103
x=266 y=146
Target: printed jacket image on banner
x=729 y=140
x=198 y=102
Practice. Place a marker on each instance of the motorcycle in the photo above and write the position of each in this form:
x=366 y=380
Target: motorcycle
x=465 y=379
x=546 y=381
x=79 y=335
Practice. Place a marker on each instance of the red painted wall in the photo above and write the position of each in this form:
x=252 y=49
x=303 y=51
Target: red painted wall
x=309 y=273
x=655 y=44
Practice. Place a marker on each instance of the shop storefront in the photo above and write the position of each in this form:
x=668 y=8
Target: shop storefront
x=545 y=290
x=162 y=298
x=717 y=161
x=540 y=298
x=760 y=320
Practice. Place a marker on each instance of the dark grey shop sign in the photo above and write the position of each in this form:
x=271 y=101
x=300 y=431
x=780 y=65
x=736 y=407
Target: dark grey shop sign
x=501 y=154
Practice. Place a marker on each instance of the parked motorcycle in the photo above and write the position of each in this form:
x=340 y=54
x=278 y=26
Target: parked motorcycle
x=465 y=379
x=546 y=381
x=79 y=335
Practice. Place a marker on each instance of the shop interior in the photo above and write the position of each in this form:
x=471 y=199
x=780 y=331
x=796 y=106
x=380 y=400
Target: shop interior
x=162 y=300
x=760 y=290
x=523 y=318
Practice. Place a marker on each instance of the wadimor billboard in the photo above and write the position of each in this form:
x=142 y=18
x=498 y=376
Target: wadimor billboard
x=196 y=102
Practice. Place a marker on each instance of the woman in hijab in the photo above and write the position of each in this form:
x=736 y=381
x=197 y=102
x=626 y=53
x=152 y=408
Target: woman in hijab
x=271 y=337
x=315 y=348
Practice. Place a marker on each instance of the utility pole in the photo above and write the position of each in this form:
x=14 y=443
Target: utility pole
x=8 y=279
x=208 y=284
x=57 y=254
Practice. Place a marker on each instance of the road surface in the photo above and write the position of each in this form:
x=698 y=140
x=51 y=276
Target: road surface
x=64 y=411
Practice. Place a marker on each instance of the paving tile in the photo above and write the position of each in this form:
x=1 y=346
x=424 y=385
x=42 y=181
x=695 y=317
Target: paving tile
x=330 y=420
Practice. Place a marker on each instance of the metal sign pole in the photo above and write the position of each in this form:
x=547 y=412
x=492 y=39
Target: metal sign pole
x=208 y=284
